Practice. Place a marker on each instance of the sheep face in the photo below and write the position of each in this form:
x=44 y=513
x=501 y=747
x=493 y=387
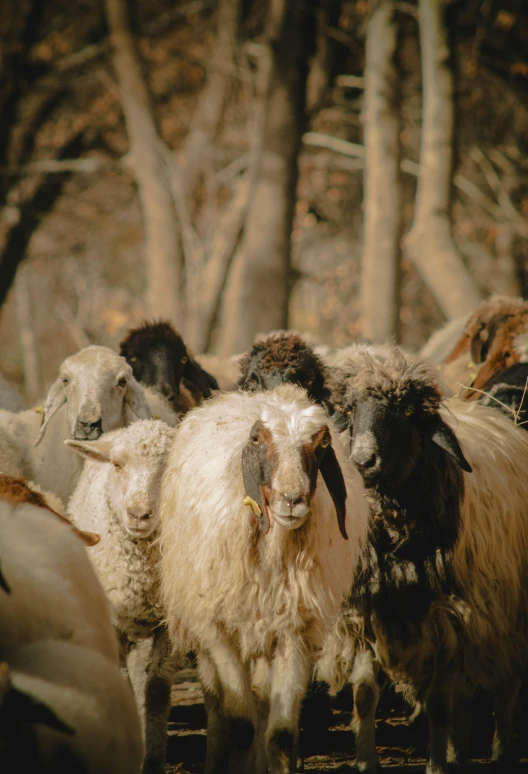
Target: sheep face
x=100 y=393
x=282 y=359
x=280 y=475
x=136 y=459
x=391 y=413
x=159 y=359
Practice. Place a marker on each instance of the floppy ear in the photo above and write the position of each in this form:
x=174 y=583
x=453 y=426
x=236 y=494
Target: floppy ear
x=55 y=399
x=251 y=475
x=341 y=421
x=3 y=583
x=195 y=374
x=97 y=451
x=444 y=437
x=136 y=406
x=335 y=483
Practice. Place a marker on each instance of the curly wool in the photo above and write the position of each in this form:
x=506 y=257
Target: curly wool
x=396 y=377
x=127 y=568
x=286 y=355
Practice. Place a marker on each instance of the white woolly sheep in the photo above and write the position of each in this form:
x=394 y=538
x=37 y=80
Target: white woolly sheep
x=442 y=595
x=254 y=560
x=117 y=495
x=63 y=699
x=94 y=392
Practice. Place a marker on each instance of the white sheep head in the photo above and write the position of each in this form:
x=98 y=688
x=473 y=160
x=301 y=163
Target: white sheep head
x=136 y=457
x=100 y=392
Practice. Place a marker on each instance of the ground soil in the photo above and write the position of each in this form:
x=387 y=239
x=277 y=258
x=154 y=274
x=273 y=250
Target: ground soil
x=327 y=742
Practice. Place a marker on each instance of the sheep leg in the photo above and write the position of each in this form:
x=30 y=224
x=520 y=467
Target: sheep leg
x=159 y=677
x=437 y=707
x=217 y=739
x=460 y=735
x=505 y=703
x=238 y=705
x=290 y=673
x=261 y=676
x=366 y=697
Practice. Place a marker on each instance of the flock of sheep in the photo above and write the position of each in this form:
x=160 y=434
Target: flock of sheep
x=325 y=514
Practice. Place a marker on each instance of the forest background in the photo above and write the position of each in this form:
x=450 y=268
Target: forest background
x=345 y=168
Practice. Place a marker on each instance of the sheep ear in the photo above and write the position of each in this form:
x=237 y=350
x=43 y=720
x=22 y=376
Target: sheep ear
x=444 y=437
x=97 y=451
x=3 y=583
x=341 y=421
x=251 y=476
x=55 y=399
x=335 y=483
x=196 y=374
x=136 y=406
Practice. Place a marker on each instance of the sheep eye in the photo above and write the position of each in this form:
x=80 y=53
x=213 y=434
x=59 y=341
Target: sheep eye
x=408 y=411
x=117 y=466
x=348 y=412
x=122 y=382
x=325 y=443
x=184 y=359
x=132 y=359
x=65 y=381
x=255 y=441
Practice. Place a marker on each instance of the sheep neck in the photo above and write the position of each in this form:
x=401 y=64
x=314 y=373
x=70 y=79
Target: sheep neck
x=408 y=562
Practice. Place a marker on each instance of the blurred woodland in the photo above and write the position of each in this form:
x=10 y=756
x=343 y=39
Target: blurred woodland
x=343 y=167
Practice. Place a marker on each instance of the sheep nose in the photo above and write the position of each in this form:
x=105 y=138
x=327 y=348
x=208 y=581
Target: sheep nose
x=292 y=501
x=139 y=516
x=365 y=460
x=88 y=431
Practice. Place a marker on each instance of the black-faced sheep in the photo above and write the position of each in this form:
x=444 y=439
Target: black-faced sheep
x=442 y=595
x=254 y=561
x=283 y=358
x=160 y=360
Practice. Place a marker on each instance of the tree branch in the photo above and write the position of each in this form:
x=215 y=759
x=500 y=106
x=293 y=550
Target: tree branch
x=430 y=244
x=150 y=171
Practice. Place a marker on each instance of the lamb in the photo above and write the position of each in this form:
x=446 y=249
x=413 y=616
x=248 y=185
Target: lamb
x=63 y=701
x=160 y=360
x=283 y=358
x=117 y=495
x=93 y=393
x=255 y=563
x=441 y=596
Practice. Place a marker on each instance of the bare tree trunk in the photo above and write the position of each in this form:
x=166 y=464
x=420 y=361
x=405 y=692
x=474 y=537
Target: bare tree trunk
x=208 y=114
x=258 y=289
x=161 y=231
x=381 y=252
x=430 y=243
x=28 y=338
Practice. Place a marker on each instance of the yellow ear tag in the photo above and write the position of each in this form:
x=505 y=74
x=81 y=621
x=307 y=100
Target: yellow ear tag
x=473 y=371
x=39 y=409
x=256 y=507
